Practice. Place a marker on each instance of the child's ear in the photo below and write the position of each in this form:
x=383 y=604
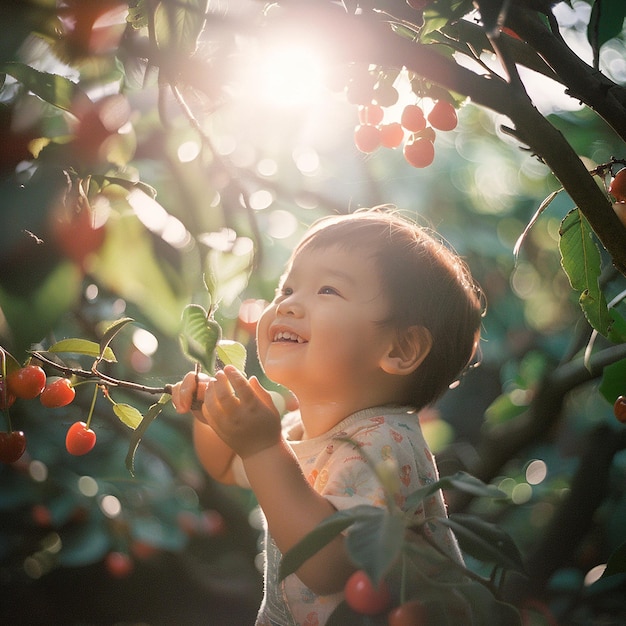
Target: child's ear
x=408 y=351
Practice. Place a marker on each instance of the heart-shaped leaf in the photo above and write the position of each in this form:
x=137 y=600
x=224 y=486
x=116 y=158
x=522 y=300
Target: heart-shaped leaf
x=199 y=336
x=232 y=353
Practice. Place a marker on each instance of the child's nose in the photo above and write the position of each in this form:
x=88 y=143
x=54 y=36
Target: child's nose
x=289 y=306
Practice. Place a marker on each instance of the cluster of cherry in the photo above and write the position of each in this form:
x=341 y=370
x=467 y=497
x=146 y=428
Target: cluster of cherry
x=28 y=382
x=419 y=149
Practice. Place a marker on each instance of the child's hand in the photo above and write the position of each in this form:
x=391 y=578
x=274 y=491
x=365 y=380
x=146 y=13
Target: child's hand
x=188 y=394
x=241 y=412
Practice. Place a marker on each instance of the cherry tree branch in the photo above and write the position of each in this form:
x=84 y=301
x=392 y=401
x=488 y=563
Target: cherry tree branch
x=96 y=375
x=355 y=38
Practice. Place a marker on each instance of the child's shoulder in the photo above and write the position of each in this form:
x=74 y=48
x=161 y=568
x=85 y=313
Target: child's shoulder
x=384 y=417
x=390 y=428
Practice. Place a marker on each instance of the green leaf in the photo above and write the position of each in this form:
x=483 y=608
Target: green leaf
x=128 y=415
x=439 y=12
x=320 y=536
x=484 y=541
x=138 y=14
x=57 y=90
x=581 y=261
x=111 y=331
x=462 y=481
x=227 y=274
x=179 y=24
x=485 y=608
x=612 y=384
x=617 y=332
x=375 y=542
x=503 y=409
x=149 y=417
x=83 y=346
x=199 y=336
x=606 y=21
x=232 y=353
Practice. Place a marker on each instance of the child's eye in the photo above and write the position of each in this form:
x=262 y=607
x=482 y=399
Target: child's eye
x=283 y=291
x=328 y=291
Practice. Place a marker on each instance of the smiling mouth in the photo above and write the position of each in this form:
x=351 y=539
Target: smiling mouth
x=285 y=337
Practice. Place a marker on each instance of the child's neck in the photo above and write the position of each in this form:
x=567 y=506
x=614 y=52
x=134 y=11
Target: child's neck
x=320 y=417
x=322 y=409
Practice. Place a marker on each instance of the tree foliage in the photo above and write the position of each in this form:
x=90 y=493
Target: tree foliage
x=143 y=176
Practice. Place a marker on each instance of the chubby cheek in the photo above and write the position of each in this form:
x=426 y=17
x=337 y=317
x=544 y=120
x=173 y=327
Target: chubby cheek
x=262 y=336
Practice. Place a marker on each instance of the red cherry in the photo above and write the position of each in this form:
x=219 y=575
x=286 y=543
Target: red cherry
x=443 y=116
x=76 y=236
x=617 y=188
x=391 y=135
x=12 y=446
x=118 y=564
x=385 y=95
x=27 y=382
x=412 y=613
x=419 y=153
x=371 y=114
x=363 y=597
x=367 y=138
x=360 y=90
x=80 y=439
x=619 y=409
x=412 y=118
x=57 y=392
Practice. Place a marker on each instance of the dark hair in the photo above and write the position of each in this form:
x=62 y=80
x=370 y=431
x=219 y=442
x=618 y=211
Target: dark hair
x=426 y=282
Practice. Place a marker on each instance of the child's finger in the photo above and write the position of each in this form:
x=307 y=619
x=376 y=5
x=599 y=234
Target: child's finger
x=239 y=383
x=223 y=391
x=189 y=389
x=261 y=392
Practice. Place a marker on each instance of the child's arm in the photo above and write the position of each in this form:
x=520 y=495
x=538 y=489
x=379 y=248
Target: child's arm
x=215 y=456
x=242 y=413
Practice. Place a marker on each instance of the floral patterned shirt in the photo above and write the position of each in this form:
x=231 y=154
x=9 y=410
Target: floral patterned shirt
x=334 y=466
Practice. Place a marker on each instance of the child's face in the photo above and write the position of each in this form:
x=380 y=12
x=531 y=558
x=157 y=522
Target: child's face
x=321 y=335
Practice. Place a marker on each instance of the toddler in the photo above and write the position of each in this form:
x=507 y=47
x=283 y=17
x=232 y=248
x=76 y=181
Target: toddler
x=373 y=319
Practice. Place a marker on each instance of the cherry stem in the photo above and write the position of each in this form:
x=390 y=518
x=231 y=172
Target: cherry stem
x=91 y=408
